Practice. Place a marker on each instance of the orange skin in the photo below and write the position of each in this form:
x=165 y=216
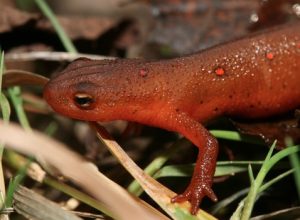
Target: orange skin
x=258 y=76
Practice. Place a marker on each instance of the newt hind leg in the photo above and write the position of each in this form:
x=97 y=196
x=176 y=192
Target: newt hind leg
x=200 y=185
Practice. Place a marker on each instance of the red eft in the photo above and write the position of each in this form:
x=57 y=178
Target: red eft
x=257 y=76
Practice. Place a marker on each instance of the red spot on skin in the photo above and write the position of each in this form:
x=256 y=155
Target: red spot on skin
x=270 y=56
x=143 y=72
x=298 y=45
x=220 y=71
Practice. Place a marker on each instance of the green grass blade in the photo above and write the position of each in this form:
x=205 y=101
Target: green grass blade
x=223 y=168
x=295 y=163
x=51 y=128
x=229 y=200
x=280 y=155
x=275 y=180
x=17 y=101
x=5 y=108
x=255 y=187
x=236 y=136
x=1 y=68
x=269 y=155
x=88 y=200
x=14 y=183
x=250 y=173
x=157 y=164
x=237 y=215
x=152 y=168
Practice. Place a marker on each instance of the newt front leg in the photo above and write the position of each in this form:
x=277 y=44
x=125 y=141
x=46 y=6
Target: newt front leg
x=200 y=185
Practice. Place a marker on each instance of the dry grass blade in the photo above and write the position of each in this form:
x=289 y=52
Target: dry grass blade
x=160 y=194
x=89 y=215
x=115 y=200
x=34 y=206
x=51 y=56
x=290 y=213
x=20 y=77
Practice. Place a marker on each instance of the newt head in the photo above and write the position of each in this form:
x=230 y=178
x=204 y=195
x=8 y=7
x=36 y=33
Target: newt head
x=98 y=90
x=75 y=100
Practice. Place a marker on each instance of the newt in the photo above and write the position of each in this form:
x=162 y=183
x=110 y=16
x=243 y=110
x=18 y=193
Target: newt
x=253 y=77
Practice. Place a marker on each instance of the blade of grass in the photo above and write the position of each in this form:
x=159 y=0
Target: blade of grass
x=14 y=183
x=67 y=43
x=255 y=185
x=86 y=199
x=5 y=107
x=295 y=163
x=250 y=173
x=17 y=101
x=227 y=201
x=236 y=136
x=187 y=170
x=51 y=128
x=1 y=68
x=223 y=168
x=275 y=180
x=237 y=214
x=157 y=164
x=270 y=161
x=135 y=188
x=5 y=110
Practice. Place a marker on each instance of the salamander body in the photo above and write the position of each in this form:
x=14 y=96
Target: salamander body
x=257 y=76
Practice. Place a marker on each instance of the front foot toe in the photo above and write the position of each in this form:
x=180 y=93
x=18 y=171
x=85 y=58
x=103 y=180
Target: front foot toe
x=195 y=194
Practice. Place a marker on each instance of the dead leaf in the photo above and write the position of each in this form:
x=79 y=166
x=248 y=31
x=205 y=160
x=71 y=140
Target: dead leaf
x=80 y=27
x=11 y=17
x=34 y=206
x=20 y=78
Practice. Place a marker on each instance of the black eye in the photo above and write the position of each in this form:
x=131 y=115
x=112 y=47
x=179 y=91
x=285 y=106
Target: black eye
x=83 y=100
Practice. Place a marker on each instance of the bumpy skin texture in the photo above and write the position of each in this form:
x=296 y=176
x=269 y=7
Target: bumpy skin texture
x=257 y=76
